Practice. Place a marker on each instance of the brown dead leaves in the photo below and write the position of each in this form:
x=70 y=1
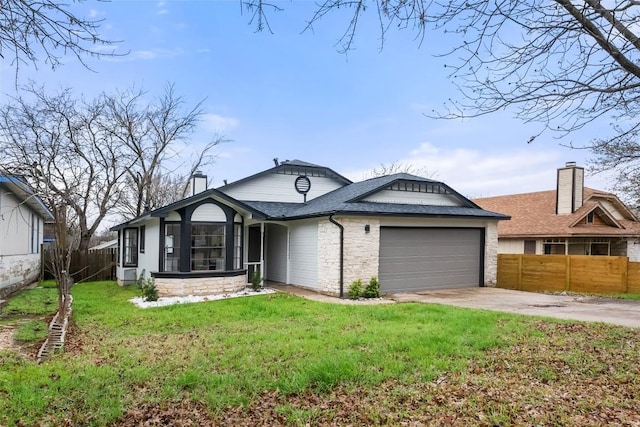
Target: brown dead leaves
x=564 y=374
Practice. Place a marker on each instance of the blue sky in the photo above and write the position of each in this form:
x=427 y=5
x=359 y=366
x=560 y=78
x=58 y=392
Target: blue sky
x=291 y=94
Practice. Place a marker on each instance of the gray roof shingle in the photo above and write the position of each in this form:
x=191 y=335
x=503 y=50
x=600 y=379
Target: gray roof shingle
x=347 y=200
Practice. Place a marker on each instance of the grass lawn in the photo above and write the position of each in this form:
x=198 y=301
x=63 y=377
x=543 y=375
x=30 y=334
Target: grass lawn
x=29 y=312
x=283 y=360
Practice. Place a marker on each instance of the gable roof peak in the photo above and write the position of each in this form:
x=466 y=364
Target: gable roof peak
x=296 y=162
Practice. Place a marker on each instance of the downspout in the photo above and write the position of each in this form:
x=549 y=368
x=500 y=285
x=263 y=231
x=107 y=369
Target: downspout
x=341 y=227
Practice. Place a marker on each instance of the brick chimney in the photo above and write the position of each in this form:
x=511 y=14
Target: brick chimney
x=570 y=189
x=198 y=183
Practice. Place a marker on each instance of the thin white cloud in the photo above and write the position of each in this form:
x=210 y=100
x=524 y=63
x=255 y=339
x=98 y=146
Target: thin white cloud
x=146 y=55
x=475 y=173
x=93 y=13
x=161 y=8
x=217 y=123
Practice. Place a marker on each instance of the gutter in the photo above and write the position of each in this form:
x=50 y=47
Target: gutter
x=341 y=227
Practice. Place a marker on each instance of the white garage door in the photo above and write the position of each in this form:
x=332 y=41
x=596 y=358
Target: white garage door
x=414 y=259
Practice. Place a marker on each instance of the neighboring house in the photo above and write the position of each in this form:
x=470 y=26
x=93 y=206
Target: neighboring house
x=571 y=220
x=306 y=225
x=22 y=216
x=109 y=244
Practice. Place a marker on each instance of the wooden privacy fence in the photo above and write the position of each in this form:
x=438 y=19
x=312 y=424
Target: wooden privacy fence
x=576 y=273
x=91 y=266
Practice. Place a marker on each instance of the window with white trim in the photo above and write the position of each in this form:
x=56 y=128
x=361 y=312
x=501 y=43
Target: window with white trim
x=130 y=254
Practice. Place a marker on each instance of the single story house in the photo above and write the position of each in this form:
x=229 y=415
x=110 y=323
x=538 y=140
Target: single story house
x=22 y=217
x=570 y=220
x=306 y=225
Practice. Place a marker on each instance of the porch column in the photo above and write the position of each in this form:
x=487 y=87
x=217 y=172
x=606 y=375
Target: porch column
x=263 y=272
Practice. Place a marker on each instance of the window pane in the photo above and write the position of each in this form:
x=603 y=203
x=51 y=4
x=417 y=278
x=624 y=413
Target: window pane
x=172 y=247
x=130 y=246
x=207 y=247
x=529 y=246
x=237 y=246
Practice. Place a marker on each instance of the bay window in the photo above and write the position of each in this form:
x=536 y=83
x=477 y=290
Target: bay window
x=208 y=247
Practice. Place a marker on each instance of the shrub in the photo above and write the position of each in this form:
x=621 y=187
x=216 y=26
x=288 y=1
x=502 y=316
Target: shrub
x=256 y=281
x=372 y=290
x=355 y=289
x=147 y=288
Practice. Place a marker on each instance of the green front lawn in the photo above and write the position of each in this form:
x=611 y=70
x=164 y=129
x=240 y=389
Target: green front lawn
x=221 y=359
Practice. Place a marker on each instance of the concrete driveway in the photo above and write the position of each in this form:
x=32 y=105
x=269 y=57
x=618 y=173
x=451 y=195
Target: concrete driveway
x=586 y=308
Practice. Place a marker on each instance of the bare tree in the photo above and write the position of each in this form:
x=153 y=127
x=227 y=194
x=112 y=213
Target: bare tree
x=399 y=167
x=560 y=63
x=66 y=239
x=58 y=143
x=47 y=30
x=153 y=135
x=114 y=153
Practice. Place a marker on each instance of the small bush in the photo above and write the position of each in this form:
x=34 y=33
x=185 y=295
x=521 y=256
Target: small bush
x=355 y=289
x=372 y=290
x=147 y=288
x=256 y=281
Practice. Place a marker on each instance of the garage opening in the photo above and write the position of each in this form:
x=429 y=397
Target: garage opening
x=421 y=259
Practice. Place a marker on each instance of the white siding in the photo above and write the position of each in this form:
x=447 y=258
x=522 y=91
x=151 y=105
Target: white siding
x=21 y=231
x=565 y=185
x=276 y=253
x=413 y=198
x=209 y=212
x=633 y=252
x=280 y=188
x=570 y=189
x=511 y=246
x=148 y=261
x=303 y=253
x=578 y=187
x=173 y=216
x=15 y=226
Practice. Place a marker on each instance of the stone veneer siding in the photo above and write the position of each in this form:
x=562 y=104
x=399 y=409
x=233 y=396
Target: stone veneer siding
x=361 y=253
x=17 y=271
x=491 y=254
x=179 y=287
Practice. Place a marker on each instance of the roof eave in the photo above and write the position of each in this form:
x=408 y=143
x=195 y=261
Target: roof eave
x=26 y=195
x=388 y=214
x=345 y=180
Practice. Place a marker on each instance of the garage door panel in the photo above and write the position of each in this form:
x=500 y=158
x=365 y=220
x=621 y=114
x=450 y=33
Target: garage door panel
x=414 y=259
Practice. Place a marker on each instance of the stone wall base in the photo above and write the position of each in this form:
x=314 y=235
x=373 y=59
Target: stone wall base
x=179 y=287
x=18 y=271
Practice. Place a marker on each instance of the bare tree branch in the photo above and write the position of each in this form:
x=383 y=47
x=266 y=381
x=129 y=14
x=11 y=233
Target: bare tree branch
x=47 y=30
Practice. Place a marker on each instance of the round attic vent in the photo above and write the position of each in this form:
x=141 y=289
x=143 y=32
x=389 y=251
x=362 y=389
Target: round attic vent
x=302 y=184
